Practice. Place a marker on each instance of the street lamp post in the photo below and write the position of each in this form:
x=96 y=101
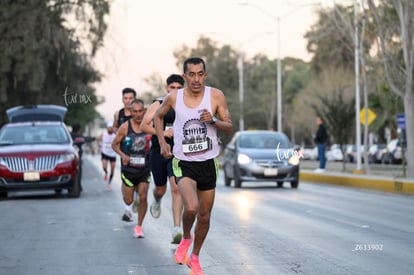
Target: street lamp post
x=357 y=93
x=240 y=67
x=279 y=80
x=241 y=90
x=279 y=61
x=278 y=66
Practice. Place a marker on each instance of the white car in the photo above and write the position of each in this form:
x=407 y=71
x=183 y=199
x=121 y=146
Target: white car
x=392 y=154
x=351 y=153
x=309 y=153
x=335 y=153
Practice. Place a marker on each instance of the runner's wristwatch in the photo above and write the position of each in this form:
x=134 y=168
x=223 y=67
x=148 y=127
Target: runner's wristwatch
x=213 y=120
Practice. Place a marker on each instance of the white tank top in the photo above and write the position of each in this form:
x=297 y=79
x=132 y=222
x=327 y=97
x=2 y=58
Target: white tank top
x=107 y=144
x=194 y=140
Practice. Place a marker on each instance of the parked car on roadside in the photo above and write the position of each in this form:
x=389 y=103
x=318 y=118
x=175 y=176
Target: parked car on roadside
x=392 y=153
x=375 y=153
x=309 y=153
x=261 y=155
x=37 y=151
x=334 y=153
x=351 y=153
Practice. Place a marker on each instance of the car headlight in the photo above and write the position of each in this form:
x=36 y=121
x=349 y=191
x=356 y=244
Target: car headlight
x=66 y=158
x=243 y=159
x=294 y=160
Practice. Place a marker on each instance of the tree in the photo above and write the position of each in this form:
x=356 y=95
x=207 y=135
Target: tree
x=332 y=69
x=396 y=46
x=156 y=82
x=296 y=75
x=44 y=58
x=260 y=93
x=330 y=42
x=339 y=116
x=325 y=94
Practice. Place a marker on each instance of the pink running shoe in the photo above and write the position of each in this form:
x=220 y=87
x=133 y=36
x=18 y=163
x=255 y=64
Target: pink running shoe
x=180 y=255
x=105 y=177
x=138 y=233
x=194 y=264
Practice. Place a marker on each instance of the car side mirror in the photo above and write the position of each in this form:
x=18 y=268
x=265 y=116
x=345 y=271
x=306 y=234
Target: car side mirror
x=231 y=147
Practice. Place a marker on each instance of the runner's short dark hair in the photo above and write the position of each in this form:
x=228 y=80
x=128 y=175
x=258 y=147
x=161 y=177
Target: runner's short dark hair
x=175 y=78
x=138 y=100
x=194 y=61
x=128 y=91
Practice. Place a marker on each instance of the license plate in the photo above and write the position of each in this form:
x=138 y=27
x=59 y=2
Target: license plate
x=31 y=176
x=270 y=172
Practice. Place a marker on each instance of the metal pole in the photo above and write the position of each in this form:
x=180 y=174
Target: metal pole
x=241 y=91
x=279 y=65
x=279 y=81
x=357 y=96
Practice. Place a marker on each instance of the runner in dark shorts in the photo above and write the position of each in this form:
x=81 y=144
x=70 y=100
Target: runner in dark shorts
x=161 y=168
x=108 y=155
x=105 y=157
x=133 y=146
x=200 y=111
x=205 y=173
x=133 y=179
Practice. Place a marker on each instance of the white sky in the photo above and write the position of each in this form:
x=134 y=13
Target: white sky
x=142 y=36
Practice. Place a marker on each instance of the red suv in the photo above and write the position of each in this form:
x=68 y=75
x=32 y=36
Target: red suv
x=37 y=151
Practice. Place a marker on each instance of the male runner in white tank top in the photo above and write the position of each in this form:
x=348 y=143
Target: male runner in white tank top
x=199 y=112
x=104 y=142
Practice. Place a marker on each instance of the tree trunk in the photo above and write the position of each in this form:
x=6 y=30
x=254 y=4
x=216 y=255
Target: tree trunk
x=409 y=128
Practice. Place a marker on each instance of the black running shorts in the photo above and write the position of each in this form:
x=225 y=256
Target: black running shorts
x=132 y=180
x=111 y=159
x=205 y=173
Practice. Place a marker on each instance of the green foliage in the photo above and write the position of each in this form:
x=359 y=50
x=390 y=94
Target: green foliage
x=339 y=116
x=330 y=40
x=260 y=93
x=157 y=84
x=42 y=57
x=82 y=106
x=384 y=102
x=296 y=74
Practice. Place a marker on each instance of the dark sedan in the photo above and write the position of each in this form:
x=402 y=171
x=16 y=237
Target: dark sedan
x=261 y=156
x=38 y=154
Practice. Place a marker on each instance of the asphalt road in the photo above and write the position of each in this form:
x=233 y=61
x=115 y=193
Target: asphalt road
x=315 y=229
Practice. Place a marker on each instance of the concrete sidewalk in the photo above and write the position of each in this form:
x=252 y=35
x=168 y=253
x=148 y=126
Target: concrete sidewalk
x=375 y=182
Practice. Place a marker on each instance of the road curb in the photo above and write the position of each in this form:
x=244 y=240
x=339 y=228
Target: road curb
x=385 y=184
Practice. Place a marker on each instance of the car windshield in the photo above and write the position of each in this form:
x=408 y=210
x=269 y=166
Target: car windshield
x=33 y=134
x=264 y=141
